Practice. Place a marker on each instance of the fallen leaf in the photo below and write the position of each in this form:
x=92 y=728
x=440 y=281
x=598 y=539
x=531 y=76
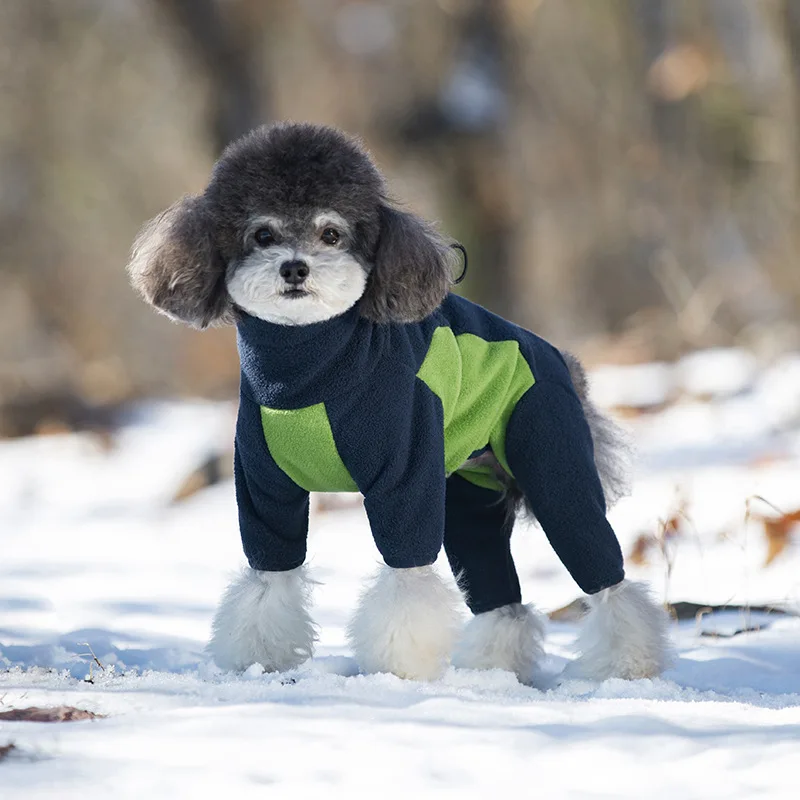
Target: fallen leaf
x=572 y=612
x=641 y=547
x=52 y=714
x=779 y=532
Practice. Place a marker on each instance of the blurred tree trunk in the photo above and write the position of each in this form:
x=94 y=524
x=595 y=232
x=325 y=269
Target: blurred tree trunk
x=223 y=45
x=464 y=128
x=668 y=115
x=791 y=15
x=477 y=102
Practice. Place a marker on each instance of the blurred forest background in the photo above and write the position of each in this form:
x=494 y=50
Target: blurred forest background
x=624 y=173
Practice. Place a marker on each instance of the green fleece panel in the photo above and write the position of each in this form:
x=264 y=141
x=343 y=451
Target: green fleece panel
x=479 y=384
x=301 y=443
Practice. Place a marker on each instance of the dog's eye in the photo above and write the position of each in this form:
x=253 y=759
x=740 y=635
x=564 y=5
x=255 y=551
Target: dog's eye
x=330 y=236
x=263 y=237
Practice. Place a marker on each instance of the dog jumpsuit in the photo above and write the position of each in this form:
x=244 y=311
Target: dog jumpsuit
x=397 y=412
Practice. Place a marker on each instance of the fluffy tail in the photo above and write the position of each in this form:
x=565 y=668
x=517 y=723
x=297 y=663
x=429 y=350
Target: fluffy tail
x=612 y=450
x=612 y=447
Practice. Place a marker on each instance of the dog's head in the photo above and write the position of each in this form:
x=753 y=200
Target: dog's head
x=294 y=227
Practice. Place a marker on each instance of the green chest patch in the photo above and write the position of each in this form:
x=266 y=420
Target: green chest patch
x=479 y=384
x=301 y=443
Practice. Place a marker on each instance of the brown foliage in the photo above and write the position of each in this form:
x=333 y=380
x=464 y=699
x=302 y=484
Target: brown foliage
x=669 y=530
x=51 y=714
x=779 y=532
x=572 y=612
x=641 y=548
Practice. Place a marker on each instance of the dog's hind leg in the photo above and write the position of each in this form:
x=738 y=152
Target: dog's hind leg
x=625 y=635
x=551 y=452
x=504 y=633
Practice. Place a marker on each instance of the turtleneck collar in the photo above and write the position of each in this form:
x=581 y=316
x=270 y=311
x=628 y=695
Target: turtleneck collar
x=294 y=366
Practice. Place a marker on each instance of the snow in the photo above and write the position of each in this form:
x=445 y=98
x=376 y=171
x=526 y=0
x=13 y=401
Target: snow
x=633 y=385
x=95 y=555
x=717 y=372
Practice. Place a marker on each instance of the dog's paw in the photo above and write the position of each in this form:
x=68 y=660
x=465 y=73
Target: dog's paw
x=263 y=619
x=406 y=623
x=625 y=635
x=509 y=638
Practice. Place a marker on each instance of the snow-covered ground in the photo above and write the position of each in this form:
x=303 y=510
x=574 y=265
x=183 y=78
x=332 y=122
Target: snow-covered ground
x=94 y=555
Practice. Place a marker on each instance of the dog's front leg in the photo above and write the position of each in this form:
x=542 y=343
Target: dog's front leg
x=625 y=635
x=406 y=623
x=263 y=618
x=407 y=619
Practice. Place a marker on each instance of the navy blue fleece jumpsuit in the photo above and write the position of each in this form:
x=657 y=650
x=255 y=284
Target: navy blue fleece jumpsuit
x=396 y=412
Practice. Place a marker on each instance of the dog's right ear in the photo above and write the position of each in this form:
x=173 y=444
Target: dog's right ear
x=176 y=266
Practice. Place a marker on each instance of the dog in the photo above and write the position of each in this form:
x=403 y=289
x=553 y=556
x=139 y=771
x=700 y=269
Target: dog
x=361 y=371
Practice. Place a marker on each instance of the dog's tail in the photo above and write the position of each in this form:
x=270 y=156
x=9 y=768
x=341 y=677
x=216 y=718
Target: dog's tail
x=612 y=446
x=613 y=450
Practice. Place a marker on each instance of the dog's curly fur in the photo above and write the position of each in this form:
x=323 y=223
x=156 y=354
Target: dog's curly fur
x=286 y=182
x=180 y=259
x=177 y=267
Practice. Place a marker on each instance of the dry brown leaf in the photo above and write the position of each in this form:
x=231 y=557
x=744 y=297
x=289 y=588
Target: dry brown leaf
x=641 y=548
x=572 y=612
x=779 y=532
x=669 y=529
x=52 y=714
x=5 y=750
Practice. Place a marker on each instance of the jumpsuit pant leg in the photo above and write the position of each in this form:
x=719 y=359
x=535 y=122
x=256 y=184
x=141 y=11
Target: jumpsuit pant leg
x=551 y=454
x=477 y=541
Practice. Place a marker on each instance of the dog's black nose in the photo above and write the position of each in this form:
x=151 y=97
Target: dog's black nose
x=294 y=272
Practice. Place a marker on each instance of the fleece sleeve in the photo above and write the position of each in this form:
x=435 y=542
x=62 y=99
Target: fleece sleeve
x=273 y=510
x=395 y=455
x=550 y=452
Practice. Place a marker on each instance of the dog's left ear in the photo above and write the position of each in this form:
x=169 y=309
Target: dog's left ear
x=412 y=272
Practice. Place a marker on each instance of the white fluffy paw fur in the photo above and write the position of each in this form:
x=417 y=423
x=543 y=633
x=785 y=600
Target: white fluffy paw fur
x=624 y=635
x=263 y=619
x=406 y=623
x=509 y=638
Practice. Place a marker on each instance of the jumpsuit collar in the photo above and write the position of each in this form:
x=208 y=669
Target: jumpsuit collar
x=295 y=366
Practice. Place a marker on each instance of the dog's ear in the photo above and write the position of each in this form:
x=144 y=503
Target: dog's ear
x=412 y=270
x=176 y=266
